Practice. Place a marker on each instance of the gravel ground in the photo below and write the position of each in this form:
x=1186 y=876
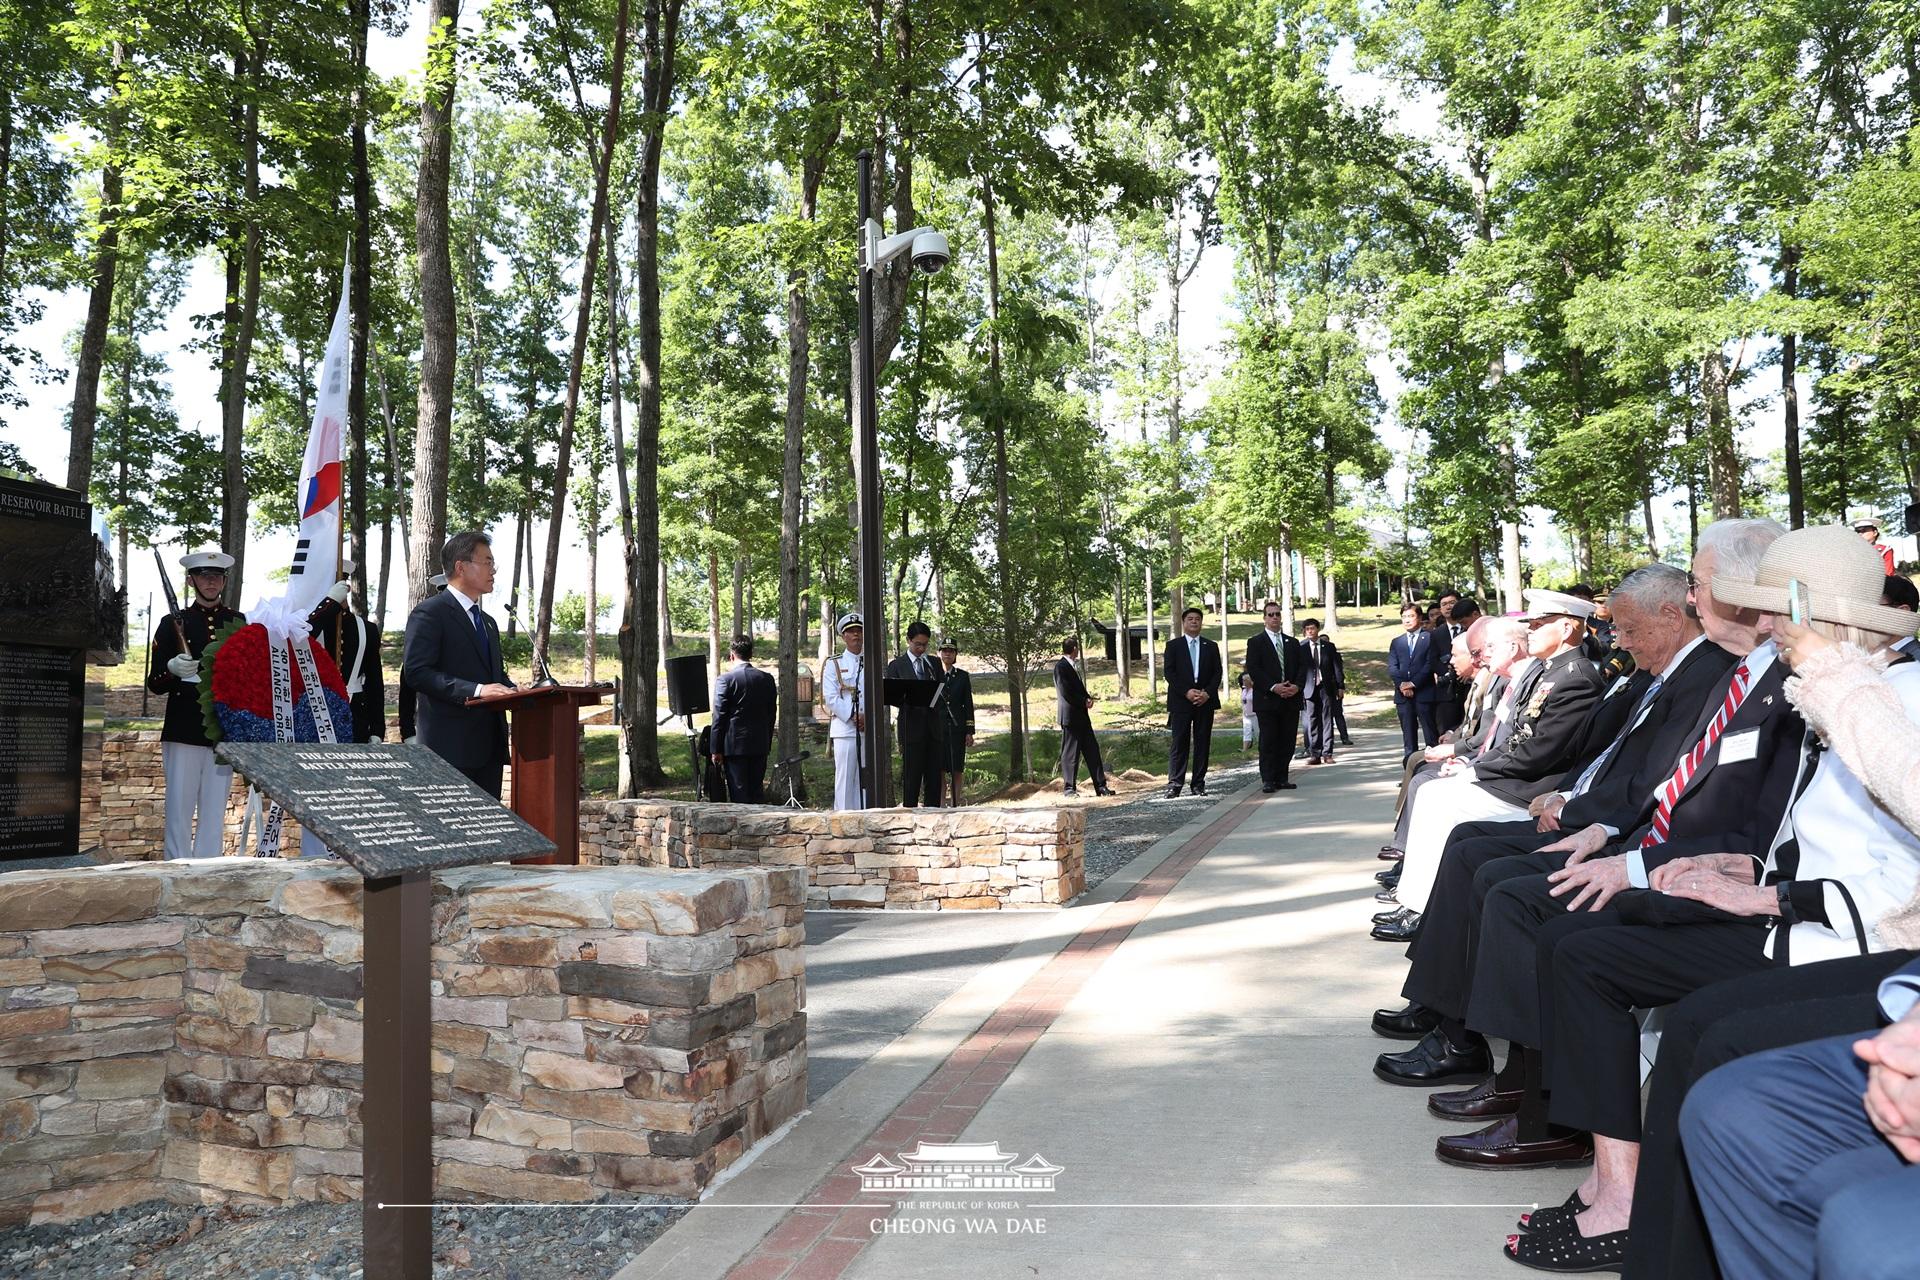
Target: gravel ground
x=159 y=1241
x=1117 y=833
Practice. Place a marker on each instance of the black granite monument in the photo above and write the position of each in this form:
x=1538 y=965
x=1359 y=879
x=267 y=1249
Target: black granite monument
x=53 y=611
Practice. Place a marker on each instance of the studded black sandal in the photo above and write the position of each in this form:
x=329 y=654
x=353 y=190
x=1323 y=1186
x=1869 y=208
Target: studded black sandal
x=1568 y=1252
x=1554 y=1216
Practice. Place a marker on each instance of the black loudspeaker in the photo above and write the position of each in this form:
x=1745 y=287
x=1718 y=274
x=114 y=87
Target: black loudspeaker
x=687 y=685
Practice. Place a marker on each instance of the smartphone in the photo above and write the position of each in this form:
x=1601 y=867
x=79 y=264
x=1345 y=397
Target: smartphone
x=1797 y=606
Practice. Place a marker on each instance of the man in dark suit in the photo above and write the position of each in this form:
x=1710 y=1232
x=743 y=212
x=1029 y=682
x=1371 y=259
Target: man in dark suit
x=743 y=708
x=956 y=717
x=404 y=695
x=1326 y=677
x=1410 y=667
x=453 y=654
x=1071 y=703
x=920 y=731
x=1194 y=672
x=1277 y=667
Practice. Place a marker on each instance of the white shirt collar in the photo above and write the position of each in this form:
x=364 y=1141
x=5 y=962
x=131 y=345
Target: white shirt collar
x=462 y=599
x=1758 y=661
x=1673 y=664
x=1274 y=636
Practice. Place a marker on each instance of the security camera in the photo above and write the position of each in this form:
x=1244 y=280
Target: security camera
x=930 y=252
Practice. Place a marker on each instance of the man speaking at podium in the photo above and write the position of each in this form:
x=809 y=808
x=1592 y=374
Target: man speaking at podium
x=453 y=654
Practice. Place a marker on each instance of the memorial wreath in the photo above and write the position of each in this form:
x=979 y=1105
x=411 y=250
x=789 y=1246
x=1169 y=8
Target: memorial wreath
x=265 y=680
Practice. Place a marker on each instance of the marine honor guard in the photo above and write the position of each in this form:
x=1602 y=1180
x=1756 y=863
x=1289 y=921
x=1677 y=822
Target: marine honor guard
x=843 y=688
x=197 y=783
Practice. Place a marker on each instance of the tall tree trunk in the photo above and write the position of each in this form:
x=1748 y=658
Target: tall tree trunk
x=1723 y=455
x=243 y=317
x=713 y=606
x=434 y=423
x=1790 y=393
x=582 y=330
x=1002 y=522
x=592 y=628
x=791 y=632
x=359 y=298
x=1286 y=580
x=106 y=262
x=1152 y=645
x=640 y=630
x=519 y=564
x=741 y=623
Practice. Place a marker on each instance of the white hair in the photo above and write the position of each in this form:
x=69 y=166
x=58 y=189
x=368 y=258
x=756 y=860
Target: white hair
x=1653 y=585
x=1738 y=545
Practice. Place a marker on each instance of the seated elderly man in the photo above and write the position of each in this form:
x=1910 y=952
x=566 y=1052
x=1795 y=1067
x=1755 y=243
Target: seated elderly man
x=1711 y=915
x=1546 y=717
x=1643 y=723
x=1471 y=664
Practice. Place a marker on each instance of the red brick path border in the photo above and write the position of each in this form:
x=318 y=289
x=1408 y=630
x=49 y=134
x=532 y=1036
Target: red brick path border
x=820 y=1238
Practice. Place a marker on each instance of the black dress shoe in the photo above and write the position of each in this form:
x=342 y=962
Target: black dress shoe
x=1498 y=1146
x=1389 y=894
x=1433 y=1061
x=1393 y=875
x=1410 y=1023
x=1401 y=930
x=1287 y=786
x=1103 y=791
x=1387 y=876
x=1173 y=791
x=1071 y=791
x=1485 y=1101
x=1381 y=917
x=1267 y=788
x=1198 y=788
x=1346 y=742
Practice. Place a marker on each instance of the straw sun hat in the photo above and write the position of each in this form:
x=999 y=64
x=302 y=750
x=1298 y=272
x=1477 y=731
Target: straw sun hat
x=1842 y=575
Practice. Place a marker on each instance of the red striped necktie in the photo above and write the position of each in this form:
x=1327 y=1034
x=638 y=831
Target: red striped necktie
x=1677 y=784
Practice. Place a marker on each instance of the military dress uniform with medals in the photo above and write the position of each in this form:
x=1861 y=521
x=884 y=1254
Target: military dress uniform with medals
x=197 y=783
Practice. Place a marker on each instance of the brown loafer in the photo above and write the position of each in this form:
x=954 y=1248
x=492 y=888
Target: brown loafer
x=1498 y=1146
x=1482 y=1102
x=1390 y=854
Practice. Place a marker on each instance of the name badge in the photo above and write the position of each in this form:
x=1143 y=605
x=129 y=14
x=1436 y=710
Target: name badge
x=1503 y=712
x=1735 y=747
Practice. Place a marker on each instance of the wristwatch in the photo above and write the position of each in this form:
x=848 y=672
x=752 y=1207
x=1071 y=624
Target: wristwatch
x=1784 y=890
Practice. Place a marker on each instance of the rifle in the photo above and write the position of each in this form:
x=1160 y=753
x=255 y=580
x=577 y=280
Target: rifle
x=173 y=607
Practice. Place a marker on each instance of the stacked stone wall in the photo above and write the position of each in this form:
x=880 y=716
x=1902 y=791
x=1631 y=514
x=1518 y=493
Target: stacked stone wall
x=193 y=1031
x=904 y=859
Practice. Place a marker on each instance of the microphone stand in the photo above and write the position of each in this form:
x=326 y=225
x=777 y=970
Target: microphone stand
x=543 y=674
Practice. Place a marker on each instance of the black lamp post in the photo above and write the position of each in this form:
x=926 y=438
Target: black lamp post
x=929 y=254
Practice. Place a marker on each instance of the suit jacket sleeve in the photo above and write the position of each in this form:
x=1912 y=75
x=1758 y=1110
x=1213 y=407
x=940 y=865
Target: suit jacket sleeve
x=1396 y=664
x=1071 y=686
x=425 y=656
x=1179 y=678
x=726 y=705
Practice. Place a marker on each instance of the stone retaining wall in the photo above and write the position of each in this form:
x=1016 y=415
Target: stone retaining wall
x=905 y=859
x=123 y=798
x=193 y=1031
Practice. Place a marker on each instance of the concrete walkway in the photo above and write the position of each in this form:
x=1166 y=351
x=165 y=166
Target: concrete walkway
x=1189 y=1044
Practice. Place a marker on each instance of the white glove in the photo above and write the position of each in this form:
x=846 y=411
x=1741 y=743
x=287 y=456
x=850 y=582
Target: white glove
x=184 y=666
x=339 y=591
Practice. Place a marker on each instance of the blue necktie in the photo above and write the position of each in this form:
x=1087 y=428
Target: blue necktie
x=480 y=629
x=1633 y=722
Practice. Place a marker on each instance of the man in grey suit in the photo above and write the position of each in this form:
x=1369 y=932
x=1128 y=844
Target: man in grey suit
x=453 y=654
x=744 y=700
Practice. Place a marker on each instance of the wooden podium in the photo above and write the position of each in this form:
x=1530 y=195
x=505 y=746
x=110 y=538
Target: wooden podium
x=546 y=761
